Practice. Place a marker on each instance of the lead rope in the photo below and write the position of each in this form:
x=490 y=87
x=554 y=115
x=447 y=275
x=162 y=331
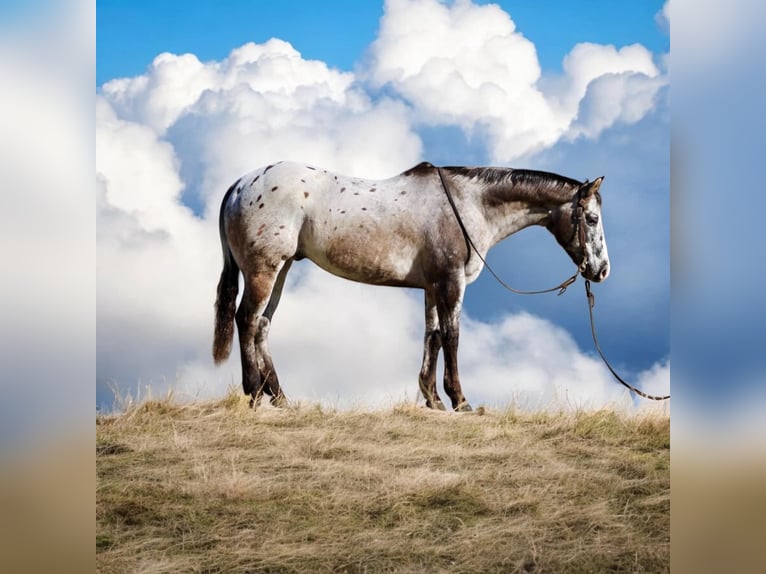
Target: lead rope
x=591 y=304
x=562 y=287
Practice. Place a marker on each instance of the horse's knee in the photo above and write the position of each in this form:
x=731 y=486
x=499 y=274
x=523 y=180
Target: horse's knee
x=262 y=330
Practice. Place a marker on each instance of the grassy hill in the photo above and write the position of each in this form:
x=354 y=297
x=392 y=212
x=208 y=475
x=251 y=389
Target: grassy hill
x=216 y=487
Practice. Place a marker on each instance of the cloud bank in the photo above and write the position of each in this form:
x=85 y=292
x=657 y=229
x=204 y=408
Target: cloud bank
x=171 y=140
x=467 y=65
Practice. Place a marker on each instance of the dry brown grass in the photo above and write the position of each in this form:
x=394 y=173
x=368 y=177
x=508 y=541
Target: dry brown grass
x=217 y=488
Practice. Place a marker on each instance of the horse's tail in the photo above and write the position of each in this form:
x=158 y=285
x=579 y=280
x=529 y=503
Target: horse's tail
x=226 y=299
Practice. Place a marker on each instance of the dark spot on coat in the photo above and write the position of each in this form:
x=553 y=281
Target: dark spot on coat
x=303 y=181
x=259 y=198
x=372 y=190
x=276 y=187
x=256 y=178
x=251 y=203
x=402 y=192
x=268 y=167
x=305 y=194
x=343 y=211
x=356 y=193
x=311 y=168
x=260 y=232
x=336 y=177
x=261 y=206
x=342 y=189
x=281 y=226
x=364 y=209
x=276 y=233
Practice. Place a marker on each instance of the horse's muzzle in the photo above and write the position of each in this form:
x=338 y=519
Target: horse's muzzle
x=602 y=274
x=596 y=276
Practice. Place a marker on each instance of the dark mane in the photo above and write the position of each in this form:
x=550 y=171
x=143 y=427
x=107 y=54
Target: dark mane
x=522 y=180
x=516 y=183
x=528 y=177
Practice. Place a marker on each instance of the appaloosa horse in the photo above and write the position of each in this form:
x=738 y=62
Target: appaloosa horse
x=424 y=228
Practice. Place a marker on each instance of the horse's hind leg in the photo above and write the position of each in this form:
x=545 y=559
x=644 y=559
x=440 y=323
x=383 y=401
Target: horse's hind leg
x=252 y=328
x=431 y=345
x=265 y=364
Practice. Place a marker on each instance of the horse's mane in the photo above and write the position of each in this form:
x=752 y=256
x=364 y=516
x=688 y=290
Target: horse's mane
x=525 y=177
x=528 y=181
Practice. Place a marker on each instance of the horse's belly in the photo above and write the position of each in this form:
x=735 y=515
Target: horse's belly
x=366 y=257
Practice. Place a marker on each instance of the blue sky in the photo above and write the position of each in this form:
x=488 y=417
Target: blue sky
x=172 y=135
x=131 y=33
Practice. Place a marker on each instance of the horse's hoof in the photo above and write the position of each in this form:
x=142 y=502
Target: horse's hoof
x=463 y=407
x=255 y=400
x=436 y=405
x=279 y=401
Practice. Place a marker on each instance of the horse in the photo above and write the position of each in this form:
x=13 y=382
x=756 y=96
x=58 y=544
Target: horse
x=428 y=228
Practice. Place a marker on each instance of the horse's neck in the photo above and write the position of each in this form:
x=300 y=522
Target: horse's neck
x=509 y=208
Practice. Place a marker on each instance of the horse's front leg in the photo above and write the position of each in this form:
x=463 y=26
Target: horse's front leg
x=431 y=344
x=449 y=301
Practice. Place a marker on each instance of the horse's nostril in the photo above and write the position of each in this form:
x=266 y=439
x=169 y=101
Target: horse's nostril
x=604 y=273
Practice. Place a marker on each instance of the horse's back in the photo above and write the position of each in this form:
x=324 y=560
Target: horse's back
x=373 y=231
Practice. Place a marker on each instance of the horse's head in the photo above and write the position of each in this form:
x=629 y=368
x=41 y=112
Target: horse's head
x=578 y=228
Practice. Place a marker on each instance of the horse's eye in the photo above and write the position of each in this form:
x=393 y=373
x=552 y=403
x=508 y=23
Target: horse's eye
x=591 y=219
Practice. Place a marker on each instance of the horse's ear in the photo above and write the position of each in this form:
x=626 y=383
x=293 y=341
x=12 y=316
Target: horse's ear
x=592 y=187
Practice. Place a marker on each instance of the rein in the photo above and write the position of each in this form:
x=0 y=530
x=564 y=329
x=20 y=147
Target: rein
x=562 y=287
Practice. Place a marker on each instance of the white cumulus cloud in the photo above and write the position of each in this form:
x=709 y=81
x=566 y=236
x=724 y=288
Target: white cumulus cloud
x=467 y=65
x=262 y=103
